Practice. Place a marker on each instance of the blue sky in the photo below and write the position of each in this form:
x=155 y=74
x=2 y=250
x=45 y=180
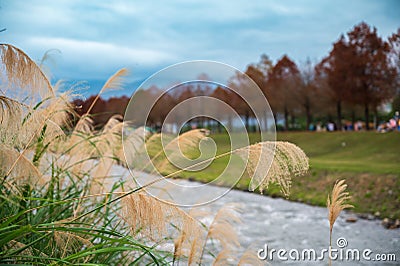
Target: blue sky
x=96 y=38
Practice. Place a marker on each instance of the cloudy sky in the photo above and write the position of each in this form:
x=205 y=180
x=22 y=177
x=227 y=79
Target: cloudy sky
x=96 y=38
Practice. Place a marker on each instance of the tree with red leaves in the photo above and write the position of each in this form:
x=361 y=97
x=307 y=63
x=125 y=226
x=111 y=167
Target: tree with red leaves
x=358 y=70
x=283 y=81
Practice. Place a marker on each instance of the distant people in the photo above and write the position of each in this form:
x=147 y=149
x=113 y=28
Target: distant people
x=384 y=127
x=330 y=127
x=393 y=124
x=358 y=126
x=397 y=118
x=348 y=126
x=319 y=127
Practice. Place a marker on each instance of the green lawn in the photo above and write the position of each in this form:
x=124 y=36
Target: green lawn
x=369 y=161
x=359 y=152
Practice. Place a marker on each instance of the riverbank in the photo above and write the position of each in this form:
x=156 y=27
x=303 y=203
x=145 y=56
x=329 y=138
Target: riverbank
x=369 y=161
x=282 y=224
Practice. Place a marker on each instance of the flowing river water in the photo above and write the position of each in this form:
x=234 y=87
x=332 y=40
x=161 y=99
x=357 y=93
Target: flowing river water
x=273 y=223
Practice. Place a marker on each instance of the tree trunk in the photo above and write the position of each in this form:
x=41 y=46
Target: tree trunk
x=308 y=117
x=339 y=115
x=293 y=118
x=353 y=118
x=265 y=128
x=366 y=112
x=257 y=126
x=286 y=113
x=246 y=117
x=376 y=118
x=229 y=124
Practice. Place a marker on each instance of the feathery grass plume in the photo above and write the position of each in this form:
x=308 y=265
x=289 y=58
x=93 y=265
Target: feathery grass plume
x=116 y=81
x=59 y=107
x=175 y=149
x=146 y=214
x=222 y=230
x=187 y=140
x=288 y=161
x=335 y=204
x=150 y=217
x=24 y=172
x=78 y=147
x=152 y=148
x=34 y=230
x=10 y=114
x=153 y=145
x=194 y=253
x=133 y=145
x=54 y=116
x=69 y=243
x=250 y=258
x=46 y=61
x=15 y=245
x=22 y=72
x=84 y=127
x=224 y=257
x=83 y=130
x=190 y=237
x=178 y=244
x=108 y=142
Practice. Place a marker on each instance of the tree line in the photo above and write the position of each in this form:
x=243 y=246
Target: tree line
x=358 y=76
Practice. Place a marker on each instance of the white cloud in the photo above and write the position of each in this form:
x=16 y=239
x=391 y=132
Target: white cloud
x=97 y=37
x=90 y=50
x=99 y=57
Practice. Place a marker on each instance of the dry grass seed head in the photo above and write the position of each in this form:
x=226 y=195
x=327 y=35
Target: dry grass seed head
x=146 y=214
x=10 y=117
x=338 y=201
x=177 y=148
x=222 y=229
x=224 y=257
x=190 y=238
x=133 y=145
x=12 y=244
x=108 y=143
x=150 y=217
x=22 y=72
x=250 y=258
x=58 y=108
x=23 y=173
x=79 y=145
x=288 y=161
x=187 y=140
x=109 y=140
x=69 y=243
x=114 y=82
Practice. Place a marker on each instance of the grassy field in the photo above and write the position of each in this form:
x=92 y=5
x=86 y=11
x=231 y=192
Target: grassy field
x=369 y=161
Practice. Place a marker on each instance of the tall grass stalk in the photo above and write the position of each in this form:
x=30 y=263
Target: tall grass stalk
x=335 y=204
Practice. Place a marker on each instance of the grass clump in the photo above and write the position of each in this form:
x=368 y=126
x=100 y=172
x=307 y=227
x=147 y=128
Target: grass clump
x=60 y=200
